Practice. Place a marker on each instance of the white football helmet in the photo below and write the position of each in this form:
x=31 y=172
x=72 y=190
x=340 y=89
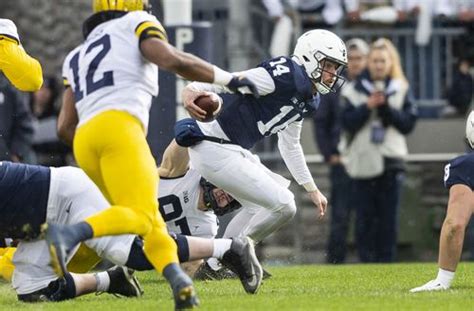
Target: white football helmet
x=316 y=46
x=470 y=129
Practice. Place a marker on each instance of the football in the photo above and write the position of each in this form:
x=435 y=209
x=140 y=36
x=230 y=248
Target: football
x=211 y=104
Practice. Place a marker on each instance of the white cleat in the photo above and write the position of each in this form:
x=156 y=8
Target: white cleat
x=433 y=285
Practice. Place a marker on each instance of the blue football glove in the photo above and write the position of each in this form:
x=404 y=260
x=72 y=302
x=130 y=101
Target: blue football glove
x=239 y=82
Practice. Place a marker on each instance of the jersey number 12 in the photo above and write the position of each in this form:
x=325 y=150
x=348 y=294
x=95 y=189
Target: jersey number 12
x=107 y=78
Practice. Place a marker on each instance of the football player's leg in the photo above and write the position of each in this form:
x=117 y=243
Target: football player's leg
x=104 y=156
x=246 y=180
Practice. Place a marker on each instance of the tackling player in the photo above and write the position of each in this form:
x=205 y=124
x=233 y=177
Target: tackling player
x=23 y=71
x=458 y=178
x=110 y=80
x=32 y=195
x=289 y=89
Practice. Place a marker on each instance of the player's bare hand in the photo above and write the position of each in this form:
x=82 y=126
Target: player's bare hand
x=189 y=95
x=320 y=201
x=241 y=83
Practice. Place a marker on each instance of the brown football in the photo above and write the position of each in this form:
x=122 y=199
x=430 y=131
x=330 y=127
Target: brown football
x=211 y=105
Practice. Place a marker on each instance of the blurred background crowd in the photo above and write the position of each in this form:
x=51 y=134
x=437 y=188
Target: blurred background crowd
x=417 y=55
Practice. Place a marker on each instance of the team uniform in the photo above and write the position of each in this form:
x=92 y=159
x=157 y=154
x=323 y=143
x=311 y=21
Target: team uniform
x=460 y=171
x=35 y=194
x=286 y=98
x=32 y=195
x=23 y=71
x=179 y=200
x=113 y=85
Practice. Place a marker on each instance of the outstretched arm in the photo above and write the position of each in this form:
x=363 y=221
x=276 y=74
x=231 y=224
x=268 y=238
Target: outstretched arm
x=175 y=161
x=292 y=153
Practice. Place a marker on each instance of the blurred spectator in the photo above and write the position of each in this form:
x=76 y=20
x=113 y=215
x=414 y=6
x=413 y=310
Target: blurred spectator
x=375 y=11
x=460 y=92
x=16 y=128
x=327 y=132
x=378 y=114
x=283 y=29
x=49 y=150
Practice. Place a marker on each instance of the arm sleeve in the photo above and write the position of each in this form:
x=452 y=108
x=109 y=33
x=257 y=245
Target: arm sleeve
x=292 y=153
x=259 y=76
x=23 y=71
x=147 y=26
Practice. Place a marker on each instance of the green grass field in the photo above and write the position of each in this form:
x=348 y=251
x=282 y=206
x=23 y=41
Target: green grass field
x=312 y=287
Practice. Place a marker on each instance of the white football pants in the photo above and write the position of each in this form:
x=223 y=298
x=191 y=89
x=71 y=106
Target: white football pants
x=267 y=204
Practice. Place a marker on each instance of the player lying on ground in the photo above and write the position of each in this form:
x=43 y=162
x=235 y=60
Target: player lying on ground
x=289 y=89
x=23 y=71
x=458 y=178
x=32 y=195
x=188 y=203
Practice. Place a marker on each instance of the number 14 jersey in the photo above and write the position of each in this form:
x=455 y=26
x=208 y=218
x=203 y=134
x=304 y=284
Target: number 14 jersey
x=108 y=72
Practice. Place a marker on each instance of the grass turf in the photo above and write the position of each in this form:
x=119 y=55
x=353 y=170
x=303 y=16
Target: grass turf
x=311 y=287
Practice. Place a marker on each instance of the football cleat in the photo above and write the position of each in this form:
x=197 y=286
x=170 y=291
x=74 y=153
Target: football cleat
x=433 y=285
x=183 y=292
x=123 y=283
x=242 y=260
x=206 y=273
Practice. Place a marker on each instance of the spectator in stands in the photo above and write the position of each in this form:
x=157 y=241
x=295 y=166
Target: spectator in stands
x=16 y=127
x=372 y=11
x=378 y=114
x=327 y=132
x=49 y=150
x=460 y=92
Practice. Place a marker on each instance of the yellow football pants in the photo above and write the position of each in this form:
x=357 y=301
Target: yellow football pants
x=112 y=149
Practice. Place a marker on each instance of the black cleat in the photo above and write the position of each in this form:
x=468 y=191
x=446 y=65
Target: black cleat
x=123 y=283
x=183 y=292
x=242 y=260
x=206 y=273
x=266 y=275
x=54 y=236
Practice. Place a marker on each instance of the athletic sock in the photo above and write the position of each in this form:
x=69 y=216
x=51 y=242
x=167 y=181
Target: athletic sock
x=81 y=231
x=220 y=247
x=445 y=277
x=103 y=281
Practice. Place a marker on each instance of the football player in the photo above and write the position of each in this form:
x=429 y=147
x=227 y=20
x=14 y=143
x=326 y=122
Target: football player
x=289 y=89
x=110 y=80
x=458 y=178
x=32 y=195
x=23 y=71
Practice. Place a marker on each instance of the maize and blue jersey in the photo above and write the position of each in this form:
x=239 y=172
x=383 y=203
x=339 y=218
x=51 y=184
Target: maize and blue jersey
x=460 y=170
x=24 y=191
x=246 y=120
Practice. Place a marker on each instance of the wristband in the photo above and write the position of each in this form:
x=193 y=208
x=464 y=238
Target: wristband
x=221 y=77
x=310 y=186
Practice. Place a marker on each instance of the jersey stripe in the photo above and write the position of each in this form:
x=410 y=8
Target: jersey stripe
x=9 y=38
x=151 y=29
